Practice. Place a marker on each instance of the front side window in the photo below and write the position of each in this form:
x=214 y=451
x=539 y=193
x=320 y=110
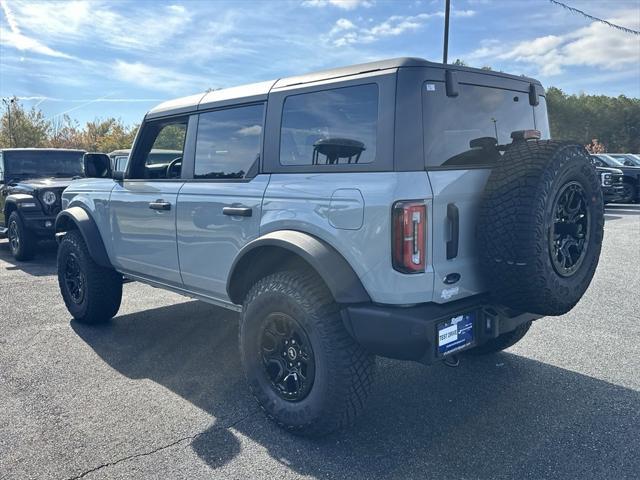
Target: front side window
x=228 y=142
x=466 y=130
x=330 y=127
x=160 y=150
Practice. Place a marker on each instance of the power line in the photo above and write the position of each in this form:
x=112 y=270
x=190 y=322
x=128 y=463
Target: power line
x=591 y=17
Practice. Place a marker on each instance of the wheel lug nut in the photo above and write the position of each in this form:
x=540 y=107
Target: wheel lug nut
x=293 y=341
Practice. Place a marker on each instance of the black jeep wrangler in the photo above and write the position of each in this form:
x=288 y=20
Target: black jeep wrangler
x=31 y=185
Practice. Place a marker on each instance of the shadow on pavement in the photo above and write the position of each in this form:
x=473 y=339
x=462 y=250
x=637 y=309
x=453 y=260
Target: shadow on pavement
x=44 y=262
x=502 y=416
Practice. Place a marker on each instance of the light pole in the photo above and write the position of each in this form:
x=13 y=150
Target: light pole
x=445 y=52
x=9 y=102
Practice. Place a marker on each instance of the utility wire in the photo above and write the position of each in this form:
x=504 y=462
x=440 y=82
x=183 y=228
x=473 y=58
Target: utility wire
x=591 y=17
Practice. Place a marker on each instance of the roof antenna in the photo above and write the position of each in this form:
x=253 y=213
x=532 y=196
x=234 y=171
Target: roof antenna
x=446 y=31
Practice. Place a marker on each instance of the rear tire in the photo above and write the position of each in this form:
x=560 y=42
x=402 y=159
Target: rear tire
x=303 y=368
x=22 y=242
x=541 y=227
x=501 y=342
x=91 y=293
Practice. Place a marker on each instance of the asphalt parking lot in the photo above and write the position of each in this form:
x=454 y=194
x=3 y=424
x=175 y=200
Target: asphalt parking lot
x=159 y=392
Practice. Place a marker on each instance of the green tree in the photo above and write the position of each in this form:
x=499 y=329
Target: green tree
x=23 y=128
x=614 y=121
x=107 y=135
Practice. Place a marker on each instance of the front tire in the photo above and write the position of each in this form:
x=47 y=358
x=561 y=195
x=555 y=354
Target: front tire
x=91 y=293
x=22 y=242
x=306 y=372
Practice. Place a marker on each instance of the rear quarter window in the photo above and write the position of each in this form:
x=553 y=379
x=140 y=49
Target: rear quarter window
x=330 y=127
x=464 y=130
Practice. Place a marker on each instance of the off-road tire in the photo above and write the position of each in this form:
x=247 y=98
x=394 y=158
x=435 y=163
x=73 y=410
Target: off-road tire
x=24 y=248
x=630 y=193
x=516 y=221
x=343 y=369
x=501 y=342
x=102 y=286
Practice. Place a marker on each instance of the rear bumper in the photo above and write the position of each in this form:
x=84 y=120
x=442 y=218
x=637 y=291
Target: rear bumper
x=410 y=333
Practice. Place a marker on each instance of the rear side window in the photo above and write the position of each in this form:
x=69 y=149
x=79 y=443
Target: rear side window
x=465 y=130
x=330 y=127
x=228 y=142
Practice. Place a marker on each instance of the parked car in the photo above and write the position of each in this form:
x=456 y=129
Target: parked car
x=626 y=159
x=611 y=181
x=31 y=185
x=158 y=159
x=400 y=208
x=631 y=176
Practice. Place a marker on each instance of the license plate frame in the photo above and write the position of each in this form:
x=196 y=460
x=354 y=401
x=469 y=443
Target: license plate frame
x=455 y=334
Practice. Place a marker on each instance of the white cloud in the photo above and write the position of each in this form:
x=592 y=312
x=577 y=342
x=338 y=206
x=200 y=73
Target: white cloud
x=251 y=131
x=157 y=78
x=16 y=39
x=596 y=45
x=96 y=22
x=343 y=4
x=345 y=32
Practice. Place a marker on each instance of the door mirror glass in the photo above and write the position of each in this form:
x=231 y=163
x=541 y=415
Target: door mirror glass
x=97 y=165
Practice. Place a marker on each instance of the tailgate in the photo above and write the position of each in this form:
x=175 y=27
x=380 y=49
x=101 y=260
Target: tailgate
x=456 y=201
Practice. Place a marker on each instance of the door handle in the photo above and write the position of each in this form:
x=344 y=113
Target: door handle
x=237 y=211
x=160 y=205
x=453 y=215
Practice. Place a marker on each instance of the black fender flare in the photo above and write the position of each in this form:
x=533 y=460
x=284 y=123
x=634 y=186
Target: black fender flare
x=329 y=264
x=14 y=199
x=77 y=218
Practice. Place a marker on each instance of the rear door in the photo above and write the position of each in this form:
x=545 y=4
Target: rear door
x=460 y=137
x=219 y=208
x=143 y=206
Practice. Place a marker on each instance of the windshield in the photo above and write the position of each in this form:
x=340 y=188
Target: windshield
x=43 y=163
x=609 y=160
x=627 y=159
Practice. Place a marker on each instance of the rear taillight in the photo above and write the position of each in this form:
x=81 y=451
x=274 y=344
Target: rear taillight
x=408 y=247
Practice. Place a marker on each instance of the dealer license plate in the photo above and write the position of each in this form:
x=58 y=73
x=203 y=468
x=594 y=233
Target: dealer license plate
x=455 y=334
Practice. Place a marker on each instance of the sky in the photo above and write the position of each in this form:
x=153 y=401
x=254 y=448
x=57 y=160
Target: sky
x=92 y=58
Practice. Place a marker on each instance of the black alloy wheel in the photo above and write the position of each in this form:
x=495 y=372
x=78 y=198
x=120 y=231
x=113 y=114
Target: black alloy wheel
x=74 y=278
x=569 y=234
x=14 y=237
x=287 y=357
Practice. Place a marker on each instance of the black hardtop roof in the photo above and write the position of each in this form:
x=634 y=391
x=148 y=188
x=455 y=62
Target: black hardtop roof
x=400 y=62
x=259 y=91
x=42 y=150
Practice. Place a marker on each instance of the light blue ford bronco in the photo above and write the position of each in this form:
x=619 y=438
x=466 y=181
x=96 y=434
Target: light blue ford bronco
x=400 y=208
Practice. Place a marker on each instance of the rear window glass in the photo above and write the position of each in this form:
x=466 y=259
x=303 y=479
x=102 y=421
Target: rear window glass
x=330 y=127
x=465 y=130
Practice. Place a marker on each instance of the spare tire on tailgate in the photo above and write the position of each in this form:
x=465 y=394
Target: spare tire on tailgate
x=541 y=226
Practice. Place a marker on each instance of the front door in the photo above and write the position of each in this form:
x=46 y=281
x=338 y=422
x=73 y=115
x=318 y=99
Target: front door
x=219 y=209
x=143 y=206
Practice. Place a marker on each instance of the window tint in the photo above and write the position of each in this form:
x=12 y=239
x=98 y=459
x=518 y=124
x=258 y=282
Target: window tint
x=330 y=127
x=465 y=130
x=228 y=142
x=159 y=155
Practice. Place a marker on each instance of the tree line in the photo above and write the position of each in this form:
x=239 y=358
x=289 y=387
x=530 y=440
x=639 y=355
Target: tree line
x=614 y=121
x=28 y=128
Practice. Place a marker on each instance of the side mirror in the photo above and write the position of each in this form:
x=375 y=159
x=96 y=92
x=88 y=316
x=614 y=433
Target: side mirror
x=628 y=163
x=96 y=165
